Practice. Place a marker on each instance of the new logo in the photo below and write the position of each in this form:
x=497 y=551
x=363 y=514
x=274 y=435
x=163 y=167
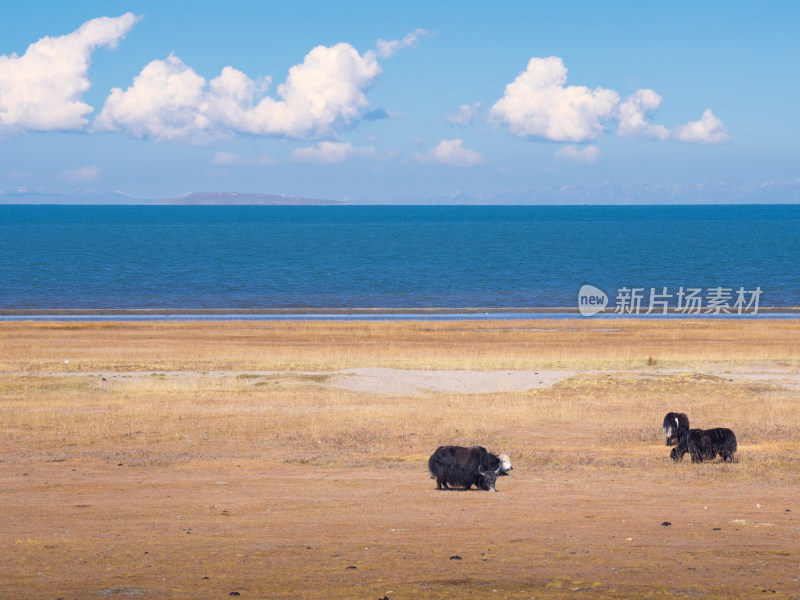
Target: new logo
x=591 y=300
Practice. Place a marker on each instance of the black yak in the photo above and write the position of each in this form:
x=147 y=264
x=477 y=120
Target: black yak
x=705 y=444
x=457 y=466
x=675 y=425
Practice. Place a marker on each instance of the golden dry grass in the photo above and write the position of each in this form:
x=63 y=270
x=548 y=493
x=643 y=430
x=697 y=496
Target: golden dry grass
x=327 y=345
x=160 y=419
x=162 y=454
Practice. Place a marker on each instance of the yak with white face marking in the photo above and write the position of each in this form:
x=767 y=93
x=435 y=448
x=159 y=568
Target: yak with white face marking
x=675 y=425
x=462 y=467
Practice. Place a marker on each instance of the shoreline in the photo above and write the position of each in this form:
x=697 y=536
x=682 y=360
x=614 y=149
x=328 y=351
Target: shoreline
x=377 y=313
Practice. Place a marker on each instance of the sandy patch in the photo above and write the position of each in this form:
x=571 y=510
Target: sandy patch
x=409 y=381
x=375 y=380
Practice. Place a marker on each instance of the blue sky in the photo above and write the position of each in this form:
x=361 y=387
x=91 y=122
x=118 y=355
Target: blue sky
x=385 y=101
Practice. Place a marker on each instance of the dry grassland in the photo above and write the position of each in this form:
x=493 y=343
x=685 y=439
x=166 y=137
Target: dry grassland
x=200 y=459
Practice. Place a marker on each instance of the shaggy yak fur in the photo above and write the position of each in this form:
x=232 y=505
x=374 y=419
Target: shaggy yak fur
x=705 y=444
x=462 y=467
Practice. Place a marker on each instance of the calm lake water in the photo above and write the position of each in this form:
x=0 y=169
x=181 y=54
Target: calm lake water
x=388 y=256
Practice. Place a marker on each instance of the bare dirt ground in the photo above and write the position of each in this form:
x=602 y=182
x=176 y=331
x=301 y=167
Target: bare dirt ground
x=253 y=482
x=414 y=381
x=275 y=531
x=381 y=380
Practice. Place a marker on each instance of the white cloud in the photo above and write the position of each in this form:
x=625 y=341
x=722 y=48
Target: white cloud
x=465 y=115
x=708 y=130
x=231 y=158
x=165 y=102
x=573 y=153
x=169 y=101
x=632 y=113
x=82 y=174
x=225 y=158
x=328 y=153
x=387 y=49
x=537 y=104
x=42 y=90
x=452 y=153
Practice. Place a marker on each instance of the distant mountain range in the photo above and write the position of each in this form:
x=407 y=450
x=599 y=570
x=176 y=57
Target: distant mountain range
x=771 y=192
x=96 y=197
x=238 y=199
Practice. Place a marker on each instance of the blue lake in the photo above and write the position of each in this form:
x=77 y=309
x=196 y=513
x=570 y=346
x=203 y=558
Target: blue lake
x=388 y=256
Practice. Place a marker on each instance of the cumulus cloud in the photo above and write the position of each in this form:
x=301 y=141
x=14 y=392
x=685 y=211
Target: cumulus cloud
x=231 y=158
x=708 y=130
x=82 y=174
x=168 y=100
x=387 y=49
x=573 y=153
x=164 y=102
x=465 y=115
x=452 y=153
x=633 y=113
x=42 y=90
x=538 y=104
x=328 y=153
